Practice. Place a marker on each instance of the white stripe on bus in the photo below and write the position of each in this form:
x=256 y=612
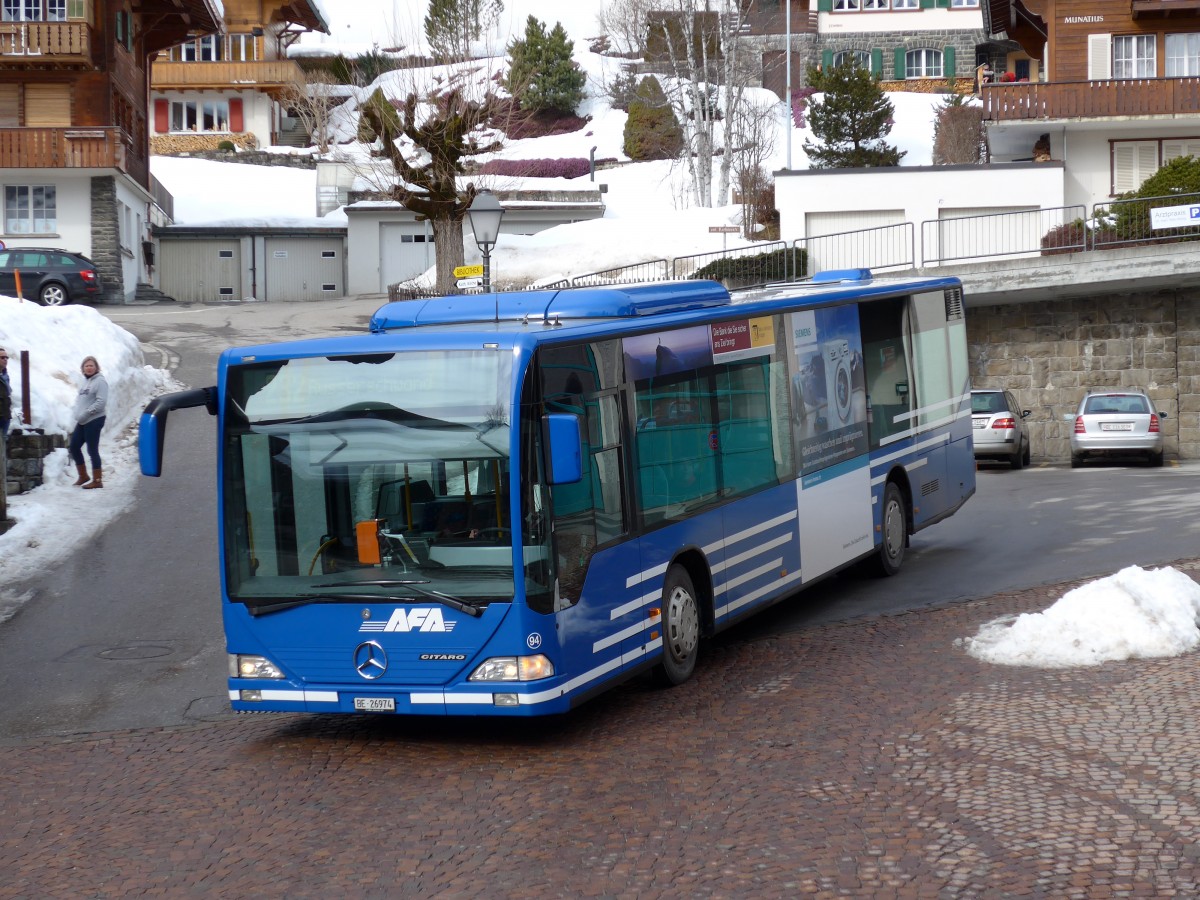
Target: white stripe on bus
x=617 y=637
x=754 y=595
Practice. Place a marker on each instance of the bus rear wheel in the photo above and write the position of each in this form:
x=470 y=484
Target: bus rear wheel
x=895 y=531
x=680 y=627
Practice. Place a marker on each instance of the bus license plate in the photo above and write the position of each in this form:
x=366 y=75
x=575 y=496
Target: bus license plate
x=375 y=704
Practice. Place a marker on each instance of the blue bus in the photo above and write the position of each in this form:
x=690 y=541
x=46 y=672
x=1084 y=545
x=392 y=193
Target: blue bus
x=505 y=504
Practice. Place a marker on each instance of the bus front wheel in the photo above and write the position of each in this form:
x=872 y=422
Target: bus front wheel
x=680 y=627
x=895 y=531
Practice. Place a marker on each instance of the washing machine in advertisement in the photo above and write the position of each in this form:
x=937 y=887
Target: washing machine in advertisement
x=839 y=383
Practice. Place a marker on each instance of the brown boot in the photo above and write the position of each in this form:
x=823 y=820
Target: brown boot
x=82 y=479
x=96 y=482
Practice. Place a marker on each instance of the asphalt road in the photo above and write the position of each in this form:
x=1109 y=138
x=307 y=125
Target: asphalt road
x=127 y=634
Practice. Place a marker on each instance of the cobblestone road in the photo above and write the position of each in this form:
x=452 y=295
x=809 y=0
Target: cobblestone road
x=872 y=758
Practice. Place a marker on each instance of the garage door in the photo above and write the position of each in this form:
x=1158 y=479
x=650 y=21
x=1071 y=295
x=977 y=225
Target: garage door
x=199 y=271
x=303 y=268
x=872 y=239
x=404 y=253
x=985 y=232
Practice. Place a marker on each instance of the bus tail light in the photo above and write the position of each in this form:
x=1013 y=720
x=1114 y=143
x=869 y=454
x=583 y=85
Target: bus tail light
x=246 y=666
x=513 y=668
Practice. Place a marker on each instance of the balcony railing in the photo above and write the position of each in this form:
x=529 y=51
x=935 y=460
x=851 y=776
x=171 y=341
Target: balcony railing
x=267 y=74
x=55 y=41
x=69 y=148
x=1091 y=99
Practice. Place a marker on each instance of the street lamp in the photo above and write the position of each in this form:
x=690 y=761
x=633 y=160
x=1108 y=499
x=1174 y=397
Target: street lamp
x=485 y=213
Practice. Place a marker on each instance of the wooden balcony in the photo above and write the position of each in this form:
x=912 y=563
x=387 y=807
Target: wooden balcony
x=1091 y=99
x=22 y=43
x=71 y=148
x=267 y=75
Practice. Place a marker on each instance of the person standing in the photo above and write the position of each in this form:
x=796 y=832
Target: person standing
x=5 y=396
x=89 y=411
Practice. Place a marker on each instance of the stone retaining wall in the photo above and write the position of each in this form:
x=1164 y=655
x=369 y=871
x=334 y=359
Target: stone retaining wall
x=175 y=144
x=27 y=451
x=1049 y=354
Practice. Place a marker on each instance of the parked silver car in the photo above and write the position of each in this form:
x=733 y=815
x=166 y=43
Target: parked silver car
x=999 y=430
x=1117 y=423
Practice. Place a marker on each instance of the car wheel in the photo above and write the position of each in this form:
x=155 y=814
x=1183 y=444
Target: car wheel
x=1017 y=460
x=680 y=627
x=895 y=531
x=1155 y=459
x=1027 y=458
x=1076 y=460
x=53 y=294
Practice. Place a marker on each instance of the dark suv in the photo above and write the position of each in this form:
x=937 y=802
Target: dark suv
x=49 y=276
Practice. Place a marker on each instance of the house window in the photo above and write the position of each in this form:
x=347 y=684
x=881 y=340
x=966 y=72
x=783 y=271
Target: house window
x=242 y=48
x=205 y=49
x=192 y=115
x=964 y=4
x=846 y=5
x=1133 y=56
x=923 y=64
x=1132 y=163
x=1183 y=55
x=859 y=58
x=30 y=209
x=33 y=10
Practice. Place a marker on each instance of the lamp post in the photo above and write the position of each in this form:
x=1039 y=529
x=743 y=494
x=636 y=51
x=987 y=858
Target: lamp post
x=485 y=213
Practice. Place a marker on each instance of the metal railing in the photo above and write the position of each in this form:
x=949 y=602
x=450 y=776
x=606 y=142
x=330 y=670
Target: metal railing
x=878 y=248
x=634 y=273
x=1131 y=222
x=1007 y=234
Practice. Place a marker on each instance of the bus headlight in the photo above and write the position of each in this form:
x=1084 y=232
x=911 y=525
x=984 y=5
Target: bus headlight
x=513 y=668
x=245 y=666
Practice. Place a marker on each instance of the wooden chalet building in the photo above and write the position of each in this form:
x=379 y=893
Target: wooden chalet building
x=1119 y=93
x=74 y=141
x=233 y=86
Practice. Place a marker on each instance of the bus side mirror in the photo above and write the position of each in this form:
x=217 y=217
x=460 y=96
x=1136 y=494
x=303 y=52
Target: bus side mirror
x=562 y=434
x=152 y=429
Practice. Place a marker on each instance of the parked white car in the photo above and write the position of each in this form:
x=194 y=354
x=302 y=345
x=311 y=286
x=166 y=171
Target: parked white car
x=1117 y=423
x=999 y=430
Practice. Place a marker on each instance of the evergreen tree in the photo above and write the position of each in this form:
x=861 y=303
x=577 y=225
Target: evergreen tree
x=542 y=75
x=651 y=131
x=451 y=25
x=851 y=122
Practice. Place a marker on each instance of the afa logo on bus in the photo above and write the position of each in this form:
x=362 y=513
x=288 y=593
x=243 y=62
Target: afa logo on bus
x=421 y=618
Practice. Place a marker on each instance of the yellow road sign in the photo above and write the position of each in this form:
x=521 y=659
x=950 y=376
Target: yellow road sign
x=468 y=272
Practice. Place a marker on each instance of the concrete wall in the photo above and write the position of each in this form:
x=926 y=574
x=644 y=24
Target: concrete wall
x=923 y=191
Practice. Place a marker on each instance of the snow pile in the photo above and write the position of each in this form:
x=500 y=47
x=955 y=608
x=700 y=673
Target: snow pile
x=1134 y=614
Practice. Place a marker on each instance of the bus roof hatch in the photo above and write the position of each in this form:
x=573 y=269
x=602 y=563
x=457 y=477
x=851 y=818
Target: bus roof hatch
x=621 y=301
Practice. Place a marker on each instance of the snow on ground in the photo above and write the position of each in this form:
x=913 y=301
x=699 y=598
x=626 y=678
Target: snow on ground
x=1134 y=614
x=55 y=519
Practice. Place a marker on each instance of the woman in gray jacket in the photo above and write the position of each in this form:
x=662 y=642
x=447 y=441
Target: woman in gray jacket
x=89 y=411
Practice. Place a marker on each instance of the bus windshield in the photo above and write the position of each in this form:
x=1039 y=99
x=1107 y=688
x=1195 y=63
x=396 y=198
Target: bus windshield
x=380 y=476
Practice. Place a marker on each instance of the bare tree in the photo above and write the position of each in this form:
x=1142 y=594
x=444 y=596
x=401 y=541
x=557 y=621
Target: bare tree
x=696 y=39
x=312 y=102
x=754 y=127
x=625 y=23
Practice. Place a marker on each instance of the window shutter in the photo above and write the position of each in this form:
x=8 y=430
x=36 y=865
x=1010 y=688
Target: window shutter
x=236 y=122
x=47 y=105
x=1099 y=57
x=162 y=116
x=824 y=5
x=10 y=105
x=927 y=4
x=900 y=68
x=877 y=62
x=1176 y=149
x=948 y=62
x=826 y=60
x=1133 y=163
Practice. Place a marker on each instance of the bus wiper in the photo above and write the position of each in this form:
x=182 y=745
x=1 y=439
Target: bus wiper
x=410 y=584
